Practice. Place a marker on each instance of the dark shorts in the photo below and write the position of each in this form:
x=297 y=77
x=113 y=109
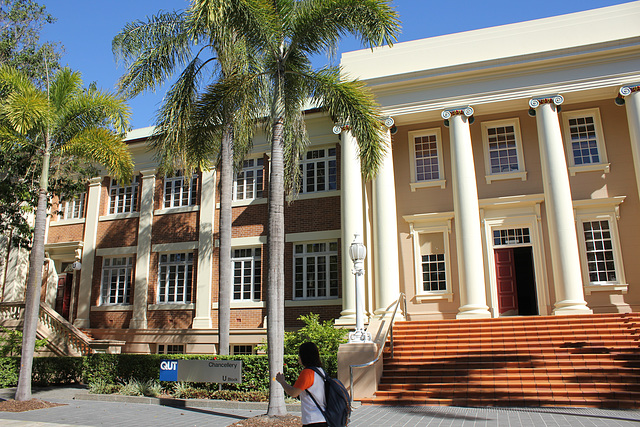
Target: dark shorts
x=315 y=425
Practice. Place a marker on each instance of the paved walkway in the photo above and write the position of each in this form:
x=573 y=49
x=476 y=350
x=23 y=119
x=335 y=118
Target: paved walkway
x=79 y=411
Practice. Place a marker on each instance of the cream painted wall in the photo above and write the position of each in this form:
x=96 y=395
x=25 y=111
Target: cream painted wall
x=620 y=181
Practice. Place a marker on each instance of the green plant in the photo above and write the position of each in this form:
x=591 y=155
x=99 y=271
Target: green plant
x=101 y=386
x=131 y=387
x=11 y=342
x=56 y=370
x=241 y=396
x=9 y=367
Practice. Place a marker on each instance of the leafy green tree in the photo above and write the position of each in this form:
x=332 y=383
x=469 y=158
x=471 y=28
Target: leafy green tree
x=204 y=45
x=20 y=24
x=66 y=120
x=11 y=342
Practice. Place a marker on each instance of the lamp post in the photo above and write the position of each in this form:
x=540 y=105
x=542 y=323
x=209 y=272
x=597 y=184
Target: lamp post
x=357 y=252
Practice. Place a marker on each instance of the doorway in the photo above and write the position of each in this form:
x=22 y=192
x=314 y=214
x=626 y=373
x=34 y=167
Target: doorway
x=515 y=280
x=63 y=295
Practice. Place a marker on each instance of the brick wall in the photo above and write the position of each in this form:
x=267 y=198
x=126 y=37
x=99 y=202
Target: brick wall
x=170 y=319
x=117 y=233
x=110 y=319
x=175 y=228
x=66 y=233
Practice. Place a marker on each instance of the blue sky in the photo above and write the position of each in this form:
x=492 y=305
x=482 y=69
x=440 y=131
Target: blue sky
x=86 y=27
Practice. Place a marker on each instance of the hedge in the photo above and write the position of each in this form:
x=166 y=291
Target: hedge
x=118 y=368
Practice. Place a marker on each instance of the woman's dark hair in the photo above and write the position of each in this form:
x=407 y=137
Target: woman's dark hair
x=309 y=355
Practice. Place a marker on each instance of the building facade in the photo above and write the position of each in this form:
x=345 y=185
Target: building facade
x=510 y=186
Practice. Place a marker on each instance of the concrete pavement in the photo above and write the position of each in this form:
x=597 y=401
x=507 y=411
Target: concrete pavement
x=83 y=409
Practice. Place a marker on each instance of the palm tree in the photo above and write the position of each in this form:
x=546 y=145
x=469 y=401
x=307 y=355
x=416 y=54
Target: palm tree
x=66 y=120
x=296 y=30
x=189 y=132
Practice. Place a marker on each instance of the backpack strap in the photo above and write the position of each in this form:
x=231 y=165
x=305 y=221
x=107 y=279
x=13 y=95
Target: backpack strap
x=317 y=371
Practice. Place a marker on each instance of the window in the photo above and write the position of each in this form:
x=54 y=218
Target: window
x=175 y=278
x=249 y=182
x=74 y=208
x=599 y=251
x=503 y=150
x=316 y=270
x=511 y=236
x=599 y=240
x=246 y=274
x=319 y=171
x=180 y=190
x=585 y=141
x=433 y=265
x=170 y=348
x=123 y=199
x=116 y=280
x=426 y=158
x=242 y=349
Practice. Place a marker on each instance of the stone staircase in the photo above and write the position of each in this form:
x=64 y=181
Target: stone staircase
x=568 y=361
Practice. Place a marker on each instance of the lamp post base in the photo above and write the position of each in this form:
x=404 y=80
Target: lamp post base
x=359 y=336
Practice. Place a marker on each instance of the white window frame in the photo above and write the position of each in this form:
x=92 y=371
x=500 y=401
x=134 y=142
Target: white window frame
x=440 y=182
x=245 y=347
x=305 y=256
x=187 y=281
x=122 y=295
x=128 y=195
x=73 y=208
x=171 y=349
x=255 y=183
x=606 y=209
x=251 y=260
x=431 y=224
x=326 y=160
x=490 y=176
x=603 y=165
x=184 y=191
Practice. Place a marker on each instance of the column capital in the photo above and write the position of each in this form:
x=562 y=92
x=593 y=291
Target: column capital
x=148 y=173
x=458 y=111
x=535 y=102
x=629 y=89
x=96 y=181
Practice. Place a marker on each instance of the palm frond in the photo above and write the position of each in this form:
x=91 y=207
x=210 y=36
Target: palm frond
x=151 y=50
x=174 y=121
x=318 y=25
x=352 y=102
x=66 y=85
x=104 y=147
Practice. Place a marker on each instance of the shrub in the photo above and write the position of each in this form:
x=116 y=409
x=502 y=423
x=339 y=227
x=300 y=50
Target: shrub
x=100 y=386
x=9 y=369
x=56 y=370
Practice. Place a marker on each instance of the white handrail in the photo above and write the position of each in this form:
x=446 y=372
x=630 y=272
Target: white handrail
x=384 y=341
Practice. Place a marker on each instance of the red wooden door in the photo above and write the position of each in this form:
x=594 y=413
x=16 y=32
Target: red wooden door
x=63 y=297
x=506 y=281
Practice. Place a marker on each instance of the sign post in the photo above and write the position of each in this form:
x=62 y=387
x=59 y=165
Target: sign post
x=202 y=371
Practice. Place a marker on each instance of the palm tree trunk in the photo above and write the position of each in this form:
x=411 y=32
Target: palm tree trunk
x=32 y=299
x=224 y=283
x=275 y=275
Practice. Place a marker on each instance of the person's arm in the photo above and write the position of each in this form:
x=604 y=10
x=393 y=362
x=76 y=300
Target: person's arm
x=288 y=388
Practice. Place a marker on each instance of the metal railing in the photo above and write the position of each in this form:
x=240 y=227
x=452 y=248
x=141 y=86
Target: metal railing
x=389 y=330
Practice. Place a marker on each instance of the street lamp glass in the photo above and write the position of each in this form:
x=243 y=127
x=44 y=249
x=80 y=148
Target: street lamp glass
x=357 y=251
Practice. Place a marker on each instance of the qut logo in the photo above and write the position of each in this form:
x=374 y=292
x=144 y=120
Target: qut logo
x=169 y=365
x=169 y=370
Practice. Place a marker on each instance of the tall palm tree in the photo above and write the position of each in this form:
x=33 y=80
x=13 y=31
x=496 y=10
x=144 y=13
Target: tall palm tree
x=64 y=120
x=189 y=132
x=294 y=31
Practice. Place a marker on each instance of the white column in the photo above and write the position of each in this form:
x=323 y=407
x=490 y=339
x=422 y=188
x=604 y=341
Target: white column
x=387 y=283
x=352 y=220
x=143 y=257
x=563 y=239
x=632 y=103
x=473 y=296
x=88 y=253
x=204 y=280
